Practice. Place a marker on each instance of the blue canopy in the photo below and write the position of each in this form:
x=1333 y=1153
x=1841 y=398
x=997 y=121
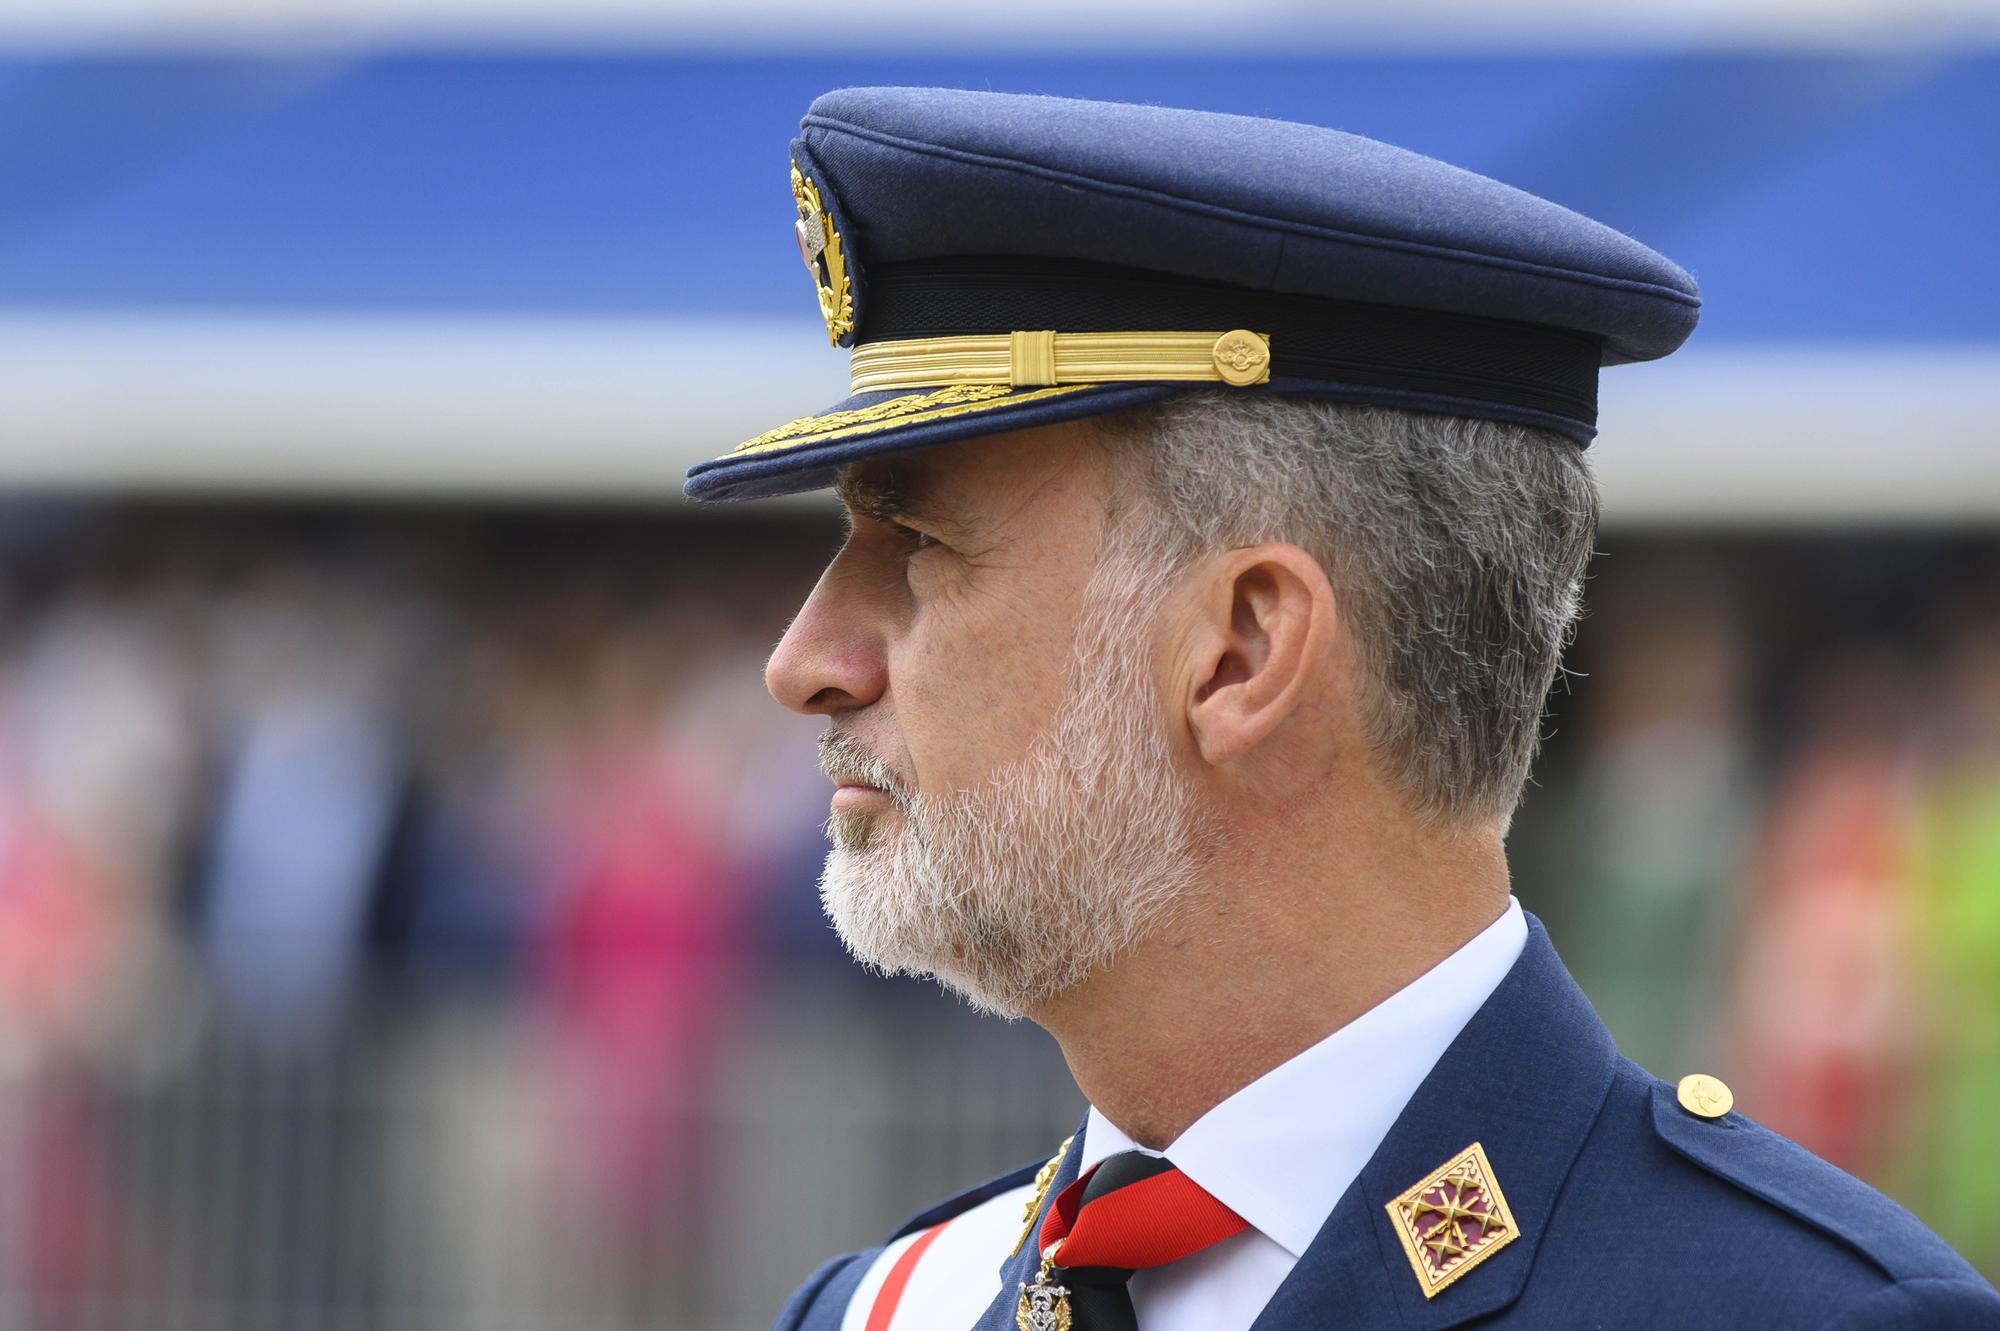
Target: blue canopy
x=544 y=270
x=1814 y=196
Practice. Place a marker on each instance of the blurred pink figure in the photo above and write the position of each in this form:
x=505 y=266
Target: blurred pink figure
x=59 y=954
x=58 y=932
x=642 y=957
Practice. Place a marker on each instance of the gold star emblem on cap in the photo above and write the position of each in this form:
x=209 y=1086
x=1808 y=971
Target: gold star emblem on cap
x=1452 y=1220
x=820 y=247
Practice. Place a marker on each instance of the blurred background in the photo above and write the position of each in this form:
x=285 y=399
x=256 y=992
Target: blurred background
x=406 y=889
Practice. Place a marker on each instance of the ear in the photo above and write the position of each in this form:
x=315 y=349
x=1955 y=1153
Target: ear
x=1264 y=623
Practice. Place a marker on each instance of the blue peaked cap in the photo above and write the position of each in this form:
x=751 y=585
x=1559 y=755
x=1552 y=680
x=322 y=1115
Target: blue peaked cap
x=994 y=262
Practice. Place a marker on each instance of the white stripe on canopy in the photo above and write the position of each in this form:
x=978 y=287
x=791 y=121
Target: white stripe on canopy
x=580 y=408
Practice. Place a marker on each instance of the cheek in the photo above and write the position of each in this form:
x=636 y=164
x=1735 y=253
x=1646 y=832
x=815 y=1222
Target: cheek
x=974 y=691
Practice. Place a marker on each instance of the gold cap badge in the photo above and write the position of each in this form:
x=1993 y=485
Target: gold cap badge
x=1453 y=1220
x=819 y=246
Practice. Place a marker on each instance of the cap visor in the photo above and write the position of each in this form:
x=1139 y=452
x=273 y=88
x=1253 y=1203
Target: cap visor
x=806 y=454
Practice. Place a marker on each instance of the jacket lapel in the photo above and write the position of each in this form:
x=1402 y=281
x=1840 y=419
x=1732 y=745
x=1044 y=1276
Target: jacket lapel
x=1526 y=1079
x=1021 y=1267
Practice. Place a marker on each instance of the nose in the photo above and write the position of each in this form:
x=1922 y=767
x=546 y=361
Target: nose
x=832 y=658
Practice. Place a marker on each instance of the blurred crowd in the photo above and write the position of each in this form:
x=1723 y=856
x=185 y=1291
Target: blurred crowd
x=1769 y=834
x=310 y=814
x=267 y=778
x=293 y=747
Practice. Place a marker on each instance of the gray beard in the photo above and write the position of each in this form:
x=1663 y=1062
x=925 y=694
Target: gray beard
x=1014 y=892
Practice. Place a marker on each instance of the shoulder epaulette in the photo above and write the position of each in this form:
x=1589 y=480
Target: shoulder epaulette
x=1785 y=1175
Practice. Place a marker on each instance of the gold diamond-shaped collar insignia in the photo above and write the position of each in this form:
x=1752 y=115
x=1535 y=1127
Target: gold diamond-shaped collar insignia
x=1452 y=1220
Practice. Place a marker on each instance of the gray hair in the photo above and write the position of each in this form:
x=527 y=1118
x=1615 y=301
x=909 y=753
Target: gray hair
x=1457 y=548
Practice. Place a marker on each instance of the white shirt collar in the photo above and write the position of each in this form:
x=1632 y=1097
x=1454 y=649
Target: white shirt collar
x=1282 y=1151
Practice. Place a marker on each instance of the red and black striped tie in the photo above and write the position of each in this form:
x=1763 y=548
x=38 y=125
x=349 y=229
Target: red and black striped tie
x=1132 y=1212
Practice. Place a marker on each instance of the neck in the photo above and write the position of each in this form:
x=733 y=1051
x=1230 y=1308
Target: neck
x=1267 y=960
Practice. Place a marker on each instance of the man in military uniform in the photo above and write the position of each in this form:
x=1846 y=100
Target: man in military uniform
x=1219 y=511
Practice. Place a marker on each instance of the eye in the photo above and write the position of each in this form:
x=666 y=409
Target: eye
x=912 y=539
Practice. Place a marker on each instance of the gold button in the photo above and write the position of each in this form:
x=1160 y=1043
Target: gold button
x=1242 y=357
x=1704 y=1095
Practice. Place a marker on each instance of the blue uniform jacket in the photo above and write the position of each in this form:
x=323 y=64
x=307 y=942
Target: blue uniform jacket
x=1633 y=1212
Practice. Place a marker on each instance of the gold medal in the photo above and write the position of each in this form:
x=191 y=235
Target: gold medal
x=1044 y=1306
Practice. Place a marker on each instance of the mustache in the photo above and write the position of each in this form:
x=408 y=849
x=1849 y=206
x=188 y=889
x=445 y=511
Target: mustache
x=844 y=758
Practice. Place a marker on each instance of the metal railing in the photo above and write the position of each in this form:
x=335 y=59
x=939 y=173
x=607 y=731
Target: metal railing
x=446 y=1165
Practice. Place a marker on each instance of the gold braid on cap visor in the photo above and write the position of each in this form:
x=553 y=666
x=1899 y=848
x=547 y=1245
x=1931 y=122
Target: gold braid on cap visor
x=1040 y=359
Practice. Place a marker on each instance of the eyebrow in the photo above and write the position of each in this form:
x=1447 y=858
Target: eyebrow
x=891 y=492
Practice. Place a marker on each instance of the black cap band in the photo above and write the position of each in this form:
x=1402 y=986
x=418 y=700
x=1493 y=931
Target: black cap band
x=1350 y=343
